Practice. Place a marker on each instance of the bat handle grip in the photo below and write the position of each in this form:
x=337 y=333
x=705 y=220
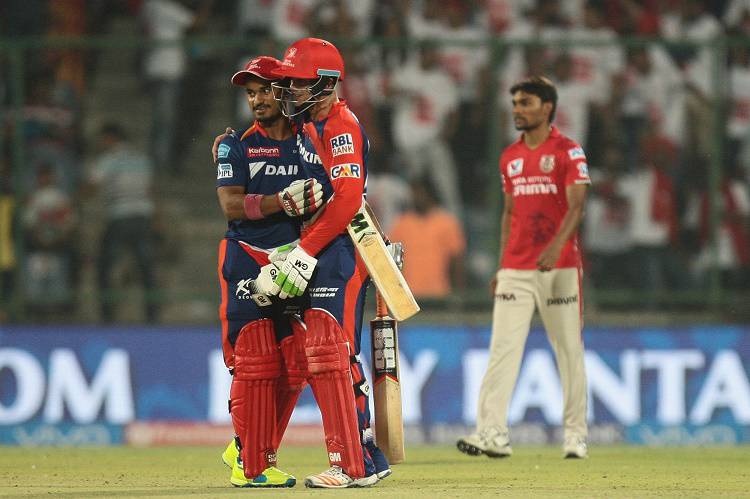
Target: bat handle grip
x=381 y=309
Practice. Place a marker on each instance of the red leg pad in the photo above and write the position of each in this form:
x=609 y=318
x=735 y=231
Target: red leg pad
x=257 y=367
x=293 y=376
x=327 y=353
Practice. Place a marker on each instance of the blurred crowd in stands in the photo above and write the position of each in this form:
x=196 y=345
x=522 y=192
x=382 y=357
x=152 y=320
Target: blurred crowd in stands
x=432 y=91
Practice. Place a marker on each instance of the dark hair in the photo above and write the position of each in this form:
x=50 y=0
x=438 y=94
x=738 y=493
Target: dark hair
x=541 y=87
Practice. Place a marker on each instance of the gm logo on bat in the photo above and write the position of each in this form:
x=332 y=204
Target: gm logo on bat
x=351 y=170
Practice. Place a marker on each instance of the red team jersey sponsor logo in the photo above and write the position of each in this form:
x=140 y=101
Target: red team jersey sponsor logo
x=256 y=152
x=576 y=153
x=346 y=170
x=342 y=144
x=515 y=167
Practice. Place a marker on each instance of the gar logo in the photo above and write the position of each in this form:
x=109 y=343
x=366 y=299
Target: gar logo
x=342 y=144
x=515 y=167
x=224 y=171
x=223 y=151
x=576 y=153
x=349 y=170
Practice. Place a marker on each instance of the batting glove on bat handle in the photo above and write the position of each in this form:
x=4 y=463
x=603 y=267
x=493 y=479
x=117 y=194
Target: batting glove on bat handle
x=295 y=273
x=301 y=197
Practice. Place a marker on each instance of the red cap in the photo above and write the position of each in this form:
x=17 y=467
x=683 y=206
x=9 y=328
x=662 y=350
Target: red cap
x=263 y=67
x=310 y=58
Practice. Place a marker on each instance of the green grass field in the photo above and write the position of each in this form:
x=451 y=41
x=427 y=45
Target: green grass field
x=430 y=472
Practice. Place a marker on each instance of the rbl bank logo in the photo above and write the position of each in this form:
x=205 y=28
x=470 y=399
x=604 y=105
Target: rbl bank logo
x=342 y=144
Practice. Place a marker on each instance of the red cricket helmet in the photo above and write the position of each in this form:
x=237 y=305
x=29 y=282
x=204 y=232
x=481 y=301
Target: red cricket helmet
x=308 y=59
x=263 y=67
x=311 y=58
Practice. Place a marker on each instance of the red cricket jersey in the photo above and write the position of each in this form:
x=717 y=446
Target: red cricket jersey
x=537 y=178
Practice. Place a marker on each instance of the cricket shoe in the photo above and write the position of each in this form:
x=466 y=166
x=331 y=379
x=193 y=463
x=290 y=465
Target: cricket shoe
x=575 y=448
x=271 y=477
x=335 y=478
x=382 y=468
x=490 y=441
x=230 y=454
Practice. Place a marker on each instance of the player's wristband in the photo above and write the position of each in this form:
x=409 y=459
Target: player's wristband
x=252 y=206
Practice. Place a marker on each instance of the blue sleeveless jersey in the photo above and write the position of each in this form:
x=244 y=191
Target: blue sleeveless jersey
x=262 y=166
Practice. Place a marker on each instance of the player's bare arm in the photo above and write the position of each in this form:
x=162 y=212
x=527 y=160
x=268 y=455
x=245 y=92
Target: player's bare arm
x=299 y=198
x=504 y=235
x=232 y=202
x=576 y=197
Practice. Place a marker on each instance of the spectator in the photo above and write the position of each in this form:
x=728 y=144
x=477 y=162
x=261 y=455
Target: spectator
x=737 y=16
x=691 y=21
x=252 y=19
x=50 y=134
x=729 y=245
x=290 y=19
x=652 y=197
x=7 y=241
x=648 y=94
x=434 y=244
x=606 y=227
x=596 y=56
x=572 y=117
x=124 y=174
x=50 y=228
x=465 y=59
x=388 y=194
x=165 y=64
x=423 y=124
x=738 y=123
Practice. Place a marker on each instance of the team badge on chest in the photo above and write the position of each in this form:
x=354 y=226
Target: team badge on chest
x=547 y=163
x=515 y=167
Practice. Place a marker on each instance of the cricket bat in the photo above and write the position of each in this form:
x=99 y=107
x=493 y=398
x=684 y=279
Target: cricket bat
x=389 y=425
x=365 y=232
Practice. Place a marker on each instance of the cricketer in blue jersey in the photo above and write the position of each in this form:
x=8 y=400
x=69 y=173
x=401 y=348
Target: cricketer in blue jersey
x=262 y=192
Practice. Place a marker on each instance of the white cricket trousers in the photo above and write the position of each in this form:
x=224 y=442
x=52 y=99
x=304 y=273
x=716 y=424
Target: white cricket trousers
x=557 y=296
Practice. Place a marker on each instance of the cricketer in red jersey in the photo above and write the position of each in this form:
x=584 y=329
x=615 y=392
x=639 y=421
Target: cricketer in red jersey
x=545 y=178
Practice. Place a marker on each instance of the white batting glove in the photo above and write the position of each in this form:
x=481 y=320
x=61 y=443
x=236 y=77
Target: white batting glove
x=279 y=254
x=291 y=280
x=301 y=197
x=264 y=282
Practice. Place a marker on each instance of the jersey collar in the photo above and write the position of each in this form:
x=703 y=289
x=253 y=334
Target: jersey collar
x=553 y=132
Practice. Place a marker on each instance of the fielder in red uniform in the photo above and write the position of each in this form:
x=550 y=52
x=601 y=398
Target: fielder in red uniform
x=545 y=178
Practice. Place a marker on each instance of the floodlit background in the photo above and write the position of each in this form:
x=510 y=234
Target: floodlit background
x=99 y=316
